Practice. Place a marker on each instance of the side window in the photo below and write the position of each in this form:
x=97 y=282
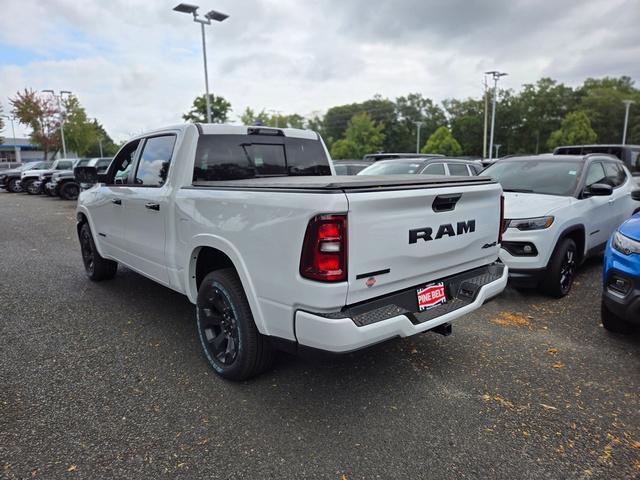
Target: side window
x=595 y=174
x=121 y=165
x=615 y=174
x=434 y=169
x=634 y=164
x=64 y=166
x=458 y=169
x=153 y=166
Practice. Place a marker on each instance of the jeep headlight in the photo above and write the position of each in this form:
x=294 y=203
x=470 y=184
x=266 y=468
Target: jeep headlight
x=3 y=176
x=624 y=244
x=526 y=224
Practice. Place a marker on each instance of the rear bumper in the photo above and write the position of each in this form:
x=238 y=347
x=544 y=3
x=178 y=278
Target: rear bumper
x=526 y=278
x=386 y=318
x=624 y=304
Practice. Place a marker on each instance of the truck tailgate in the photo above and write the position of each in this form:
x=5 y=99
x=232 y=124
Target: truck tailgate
x=399 y=238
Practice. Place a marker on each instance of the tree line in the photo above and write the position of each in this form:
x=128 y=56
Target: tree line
x=533 y=120
x=44 y=116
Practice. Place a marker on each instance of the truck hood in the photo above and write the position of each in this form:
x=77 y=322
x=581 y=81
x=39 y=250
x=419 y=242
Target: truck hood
x=530 y=205
x=631 y=228
x=33 y=173
x=11 y=171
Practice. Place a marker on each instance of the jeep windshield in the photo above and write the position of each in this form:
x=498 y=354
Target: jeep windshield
x=548 y=177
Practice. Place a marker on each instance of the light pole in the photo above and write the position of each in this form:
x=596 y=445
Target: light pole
x=98 y=135
x=419 y=125
x=497 y=145
x=486 y=116
x=208 y=17
x=59 y=100
x=496 y=77
x=13 y=132
x=627 y=104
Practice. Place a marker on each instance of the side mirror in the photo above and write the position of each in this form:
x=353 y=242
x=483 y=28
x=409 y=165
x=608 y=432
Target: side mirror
x=635 y=195
x=86 y=175
x=598 y=190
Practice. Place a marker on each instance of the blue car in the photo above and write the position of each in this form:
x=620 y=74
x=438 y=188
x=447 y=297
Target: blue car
x=621 y=295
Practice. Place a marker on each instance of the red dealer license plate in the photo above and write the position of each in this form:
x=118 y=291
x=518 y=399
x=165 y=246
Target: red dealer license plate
x=431 y=296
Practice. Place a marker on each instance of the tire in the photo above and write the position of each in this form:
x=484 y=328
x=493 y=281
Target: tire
x=561 y=270
x=30 y=188
x=613 y=323
x=96 y=267
x=13 y=186
x=69 y=191
x=48 y=192
x=230 y=339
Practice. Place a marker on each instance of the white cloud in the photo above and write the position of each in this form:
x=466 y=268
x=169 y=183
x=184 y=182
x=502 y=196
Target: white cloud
x=136 y=65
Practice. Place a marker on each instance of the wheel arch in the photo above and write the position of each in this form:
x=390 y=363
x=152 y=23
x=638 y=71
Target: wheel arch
x=209 y=253
x=577 y=233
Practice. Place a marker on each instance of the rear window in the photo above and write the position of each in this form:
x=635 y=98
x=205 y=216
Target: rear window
x=234 y=157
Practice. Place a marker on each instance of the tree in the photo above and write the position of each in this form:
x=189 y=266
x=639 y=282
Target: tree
x=109 y=147
x=219 y=110
x=80 y=134
x=466 y=118
x=410 y=109
x=249 y=117
x=362 y=136
x=442 y=142
x=42 y=115
x=575 y=130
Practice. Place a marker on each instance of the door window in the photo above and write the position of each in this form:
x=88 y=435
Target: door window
x=153 y=166
x=458 y=169
x=615 y=174
x=595 y=174
x=121 y=165
x=68 y=165
x=434 y=169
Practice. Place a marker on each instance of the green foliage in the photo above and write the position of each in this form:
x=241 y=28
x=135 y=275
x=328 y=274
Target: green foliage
x=442 y=142
x=220 y=109
x=467 y=123
x=249 y=117
x=109 y=147
x=80 y=135
x=363 y=135
x=409 y=110
x=575 y=130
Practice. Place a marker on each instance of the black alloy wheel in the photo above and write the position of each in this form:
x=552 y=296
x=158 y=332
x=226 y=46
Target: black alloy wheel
x=96 y=267
x=219 y=325
x=86 y=247
x=31 y=188
x=568 y=270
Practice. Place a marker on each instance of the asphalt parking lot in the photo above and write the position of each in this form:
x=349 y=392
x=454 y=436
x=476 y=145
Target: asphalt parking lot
x=107 y=380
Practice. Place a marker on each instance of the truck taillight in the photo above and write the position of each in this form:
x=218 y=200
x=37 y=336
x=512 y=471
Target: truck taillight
x=324 y=252
x=502 y=224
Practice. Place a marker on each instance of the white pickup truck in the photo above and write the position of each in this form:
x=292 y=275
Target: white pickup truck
x=276 y=252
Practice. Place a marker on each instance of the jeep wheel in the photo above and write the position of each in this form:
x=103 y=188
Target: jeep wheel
x=229 y=337
x=13 y=186
x=561 y=270
x=612 y=322
x=69 y=191
x=30 y=187
x=96 y=267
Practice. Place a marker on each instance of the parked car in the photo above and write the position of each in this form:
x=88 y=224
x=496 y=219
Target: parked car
x=629 y=154
x=558 y=212
x=621 y=276
x=10 y=179
x=64 y=184
x=376 y=157
x=424 y=166
x=349 y=167
x=274 y=251
x=30 y=179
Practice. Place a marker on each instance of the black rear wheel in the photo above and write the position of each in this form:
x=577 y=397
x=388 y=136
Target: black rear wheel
x=96 y=267
x=228 y=334
x=30 y=187
x=562 y=269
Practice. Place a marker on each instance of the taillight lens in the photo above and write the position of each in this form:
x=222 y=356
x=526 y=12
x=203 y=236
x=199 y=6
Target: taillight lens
x=502 y=223
x=324 y=252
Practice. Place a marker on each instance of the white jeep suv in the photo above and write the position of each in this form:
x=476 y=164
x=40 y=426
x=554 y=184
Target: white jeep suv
x=558 y=211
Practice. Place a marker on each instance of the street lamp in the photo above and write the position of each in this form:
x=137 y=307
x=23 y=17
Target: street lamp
x=627 y=104
x=275 y=114
x=13 y=132
x=208 y=17
x=497 y=145
x=418 y=124
x=99 y=135
x=496 y=76
x=59 y=98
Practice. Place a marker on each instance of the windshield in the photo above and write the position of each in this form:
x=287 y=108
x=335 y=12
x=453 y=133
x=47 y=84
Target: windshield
x=391 y=168
x=534 y=176
x=82 y=162
x=37 y=166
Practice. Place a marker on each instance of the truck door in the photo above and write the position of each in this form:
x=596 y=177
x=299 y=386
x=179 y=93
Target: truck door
x=147 y=207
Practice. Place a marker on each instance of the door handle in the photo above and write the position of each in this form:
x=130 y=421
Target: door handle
x=152 y=206
x=116 y=201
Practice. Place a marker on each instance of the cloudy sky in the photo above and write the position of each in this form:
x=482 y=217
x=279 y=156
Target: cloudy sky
x=137 y=65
